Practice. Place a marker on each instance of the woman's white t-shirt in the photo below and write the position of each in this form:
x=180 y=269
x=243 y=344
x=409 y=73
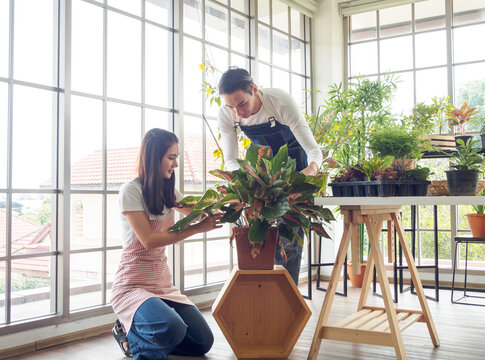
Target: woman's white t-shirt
x=131 y=199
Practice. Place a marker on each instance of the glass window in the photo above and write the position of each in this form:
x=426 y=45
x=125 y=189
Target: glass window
x=159 y=11
x=264 y=76
x=218 y=262
x=363 y=26
x=431 y=83
x=298 y=90
x=85 y=280
x=296 y=23
x=468 y=11
x=465 y=43
x=124 y=57
x=192 y=76
x=193 y=160
x=39 y=44
x=192 y=15
x=216 y=23
x=3 y=231
x=297 y=56
x=403 y=99
x=33 y=169
x=430 y=48
x=239 y=33
x=87 y=48
x=113 y=258
x=193 y=264
x=280 y=15
x=86 y=221
x=2 y=290
x=130 y=6
x=3 y=134
x=157 y=119
x=363 y=58
x=395 y=20
x=264 y=46
x=113 y=220
x=263 y=11
x=240 y=5
x=281 y=50
x=429 y=15
x=4 y=37
x=281 y=80
x=389 y=48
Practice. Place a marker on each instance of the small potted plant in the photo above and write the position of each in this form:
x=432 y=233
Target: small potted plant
x=461 y=118
x=463 y=179
x=265 y=197
x=482 y=135
x=476 y=221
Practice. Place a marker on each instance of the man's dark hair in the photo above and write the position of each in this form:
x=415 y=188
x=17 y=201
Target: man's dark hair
x=235 y=79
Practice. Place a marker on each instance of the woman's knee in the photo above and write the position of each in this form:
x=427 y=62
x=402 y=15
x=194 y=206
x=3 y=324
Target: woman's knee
x=206 y=342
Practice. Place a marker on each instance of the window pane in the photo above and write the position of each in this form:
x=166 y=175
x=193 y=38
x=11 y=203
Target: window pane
x=239 y=33
x=158 y=119
x=397 y=54
x=216 y=23
x=32 y=216
x=211 y=162
x=2 y=291
x=429 y=15
x=296 y=23
x=192 y=76
x=465 y=43
x=468 y=11
x=85 y=280
x=363 y=59
x=281 y=50
x=158 y=66
x=3 y=134
x=33 y=287
x=264 y=76
x=263 y=11
x=431 y=48
x=86 y=156
x=113 y=258
x=159 y=11
x=124 y=57
x=280 y=15
x=395 y=20
x=39 y=44
x=4 y=37
x=431 y=83
x=123 y=141
x=193 y=257
x=217 y=58
x=297 y=90
x=263 y=43
x=87 y=48
x=239 y=61
x=217 y=261
x=33 y=124
x=281 y=80
x=113 y=221
x=240 y=5
x=3 y=229
x=403 y=99
x=86 y=221
x=193 y=170
x=470 y=87
x=192 y=16
x=131 y=6
x=297 y=56
x=363 y=26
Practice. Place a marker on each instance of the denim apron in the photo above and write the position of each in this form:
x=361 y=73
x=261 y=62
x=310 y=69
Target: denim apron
x=275 y=135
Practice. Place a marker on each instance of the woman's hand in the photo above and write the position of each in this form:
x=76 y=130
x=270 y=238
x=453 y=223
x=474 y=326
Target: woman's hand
x=209 y=223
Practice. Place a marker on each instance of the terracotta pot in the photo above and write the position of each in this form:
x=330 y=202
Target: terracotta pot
x=477 y=224
x=356 y=280
x=255 y=256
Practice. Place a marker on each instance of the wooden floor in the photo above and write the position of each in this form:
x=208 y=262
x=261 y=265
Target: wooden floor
x=461 y=330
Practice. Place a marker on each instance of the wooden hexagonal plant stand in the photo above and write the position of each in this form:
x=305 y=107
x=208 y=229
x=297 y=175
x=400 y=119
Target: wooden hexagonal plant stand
x=261 y=313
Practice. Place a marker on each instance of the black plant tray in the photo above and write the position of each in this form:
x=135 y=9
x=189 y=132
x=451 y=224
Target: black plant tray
x=380 y=188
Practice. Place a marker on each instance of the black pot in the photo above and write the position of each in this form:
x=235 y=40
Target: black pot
x=483 y=141
x=465 y=138
x=462 y=182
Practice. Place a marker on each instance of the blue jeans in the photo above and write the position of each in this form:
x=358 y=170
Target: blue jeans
x=163 y=327
x=293 y=255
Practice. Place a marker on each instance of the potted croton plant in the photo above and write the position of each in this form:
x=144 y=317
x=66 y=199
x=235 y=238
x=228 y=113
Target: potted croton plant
x=265 y=197
x=461 y=118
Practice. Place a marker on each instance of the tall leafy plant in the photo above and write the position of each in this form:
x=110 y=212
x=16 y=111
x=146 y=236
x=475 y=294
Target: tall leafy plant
x=265 y=191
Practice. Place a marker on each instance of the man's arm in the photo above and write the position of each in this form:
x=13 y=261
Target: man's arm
x=229 y=144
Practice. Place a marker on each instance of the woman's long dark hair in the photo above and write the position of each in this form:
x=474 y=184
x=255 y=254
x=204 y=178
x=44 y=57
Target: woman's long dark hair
x=158 y=192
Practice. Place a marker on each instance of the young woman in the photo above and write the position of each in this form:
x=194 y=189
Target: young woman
x=156 y=317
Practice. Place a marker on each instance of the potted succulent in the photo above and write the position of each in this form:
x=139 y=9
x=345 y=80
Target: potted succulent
x=461 y=118
x=467 y=166
x=265 y=197
x=476 y=221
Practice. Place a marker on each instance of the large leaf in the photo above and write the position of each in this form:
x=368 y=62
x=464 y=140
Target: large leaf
x=255 y=155
x=186 y=221
x=280 y=159
x=190 y=201
x=209 y=198
x=229 y=198
x=258 y=232
x=318 y=228
x=231 y=215
x=276 y=210
x=245 y=166
x=226 y=175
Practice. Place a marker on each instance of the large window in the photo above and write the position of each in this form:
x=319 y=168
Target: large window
x=77 y=95
x=431 y=48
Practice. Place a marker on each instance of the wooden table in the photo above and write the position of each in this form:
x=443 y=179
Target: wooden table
x=370 y=324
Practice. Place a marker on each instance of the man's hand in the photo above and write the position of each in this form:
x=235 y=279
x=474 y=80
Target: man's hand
x=310 y=170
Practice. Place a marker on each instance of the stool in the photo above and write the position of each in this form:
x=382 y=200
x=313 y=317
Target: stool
x=466 y=240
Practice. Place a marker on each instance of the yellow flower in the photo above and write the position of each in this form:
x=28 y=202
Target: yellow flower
x=246 y=142
x=371 y=128
x=202 y=66
x=217 y=153
x=335 y=127
x=329 y=142
x=350 y=133
x=208 y=91
x=212 y=69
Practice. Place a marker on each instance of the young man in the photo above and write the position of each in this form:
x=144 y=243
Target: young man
x=272 y=118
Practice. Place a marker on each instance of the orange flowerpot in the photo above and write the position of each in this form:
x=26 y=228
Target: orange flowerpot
x=356 y=280
x=255 y=256
x=477 y=224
